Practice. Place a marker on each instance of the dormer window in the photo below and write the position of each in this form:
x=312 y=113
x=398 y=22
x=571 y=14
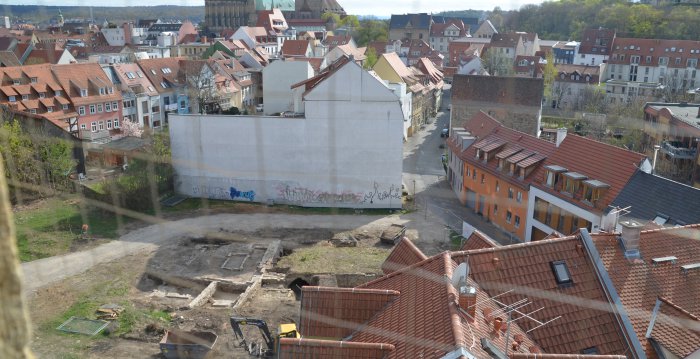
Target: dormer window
x=42 y=94
x=49 y=109
x=58 y=93
x=25 y=97
x=15 y=82
x=552 y=175
x=83 y=92
x=34 y=80
x=594 y=190
x=153 y=71
x=12 y=98
x=102 y=91
x=110 y=90
x=572 y=182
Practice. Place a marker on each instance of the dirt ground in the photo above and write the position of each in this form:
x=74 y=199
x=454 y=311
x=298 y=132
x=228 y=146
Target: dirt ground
x=164 y=279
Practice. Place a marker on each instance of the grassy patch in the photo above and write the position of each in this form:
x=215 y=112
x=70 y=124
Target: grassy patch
x=326 y=259
x=456 y=240
x=192 y=204
x=52 y=228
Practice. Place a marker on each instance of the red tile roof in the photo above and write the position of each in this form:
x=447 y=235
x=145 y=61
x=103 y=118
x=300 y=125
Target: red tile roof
x=563 y=356
x=337 y=312
x=295 y=48
x=584 y=313
x=315 y=348
x=478 y=240
x=153 y=69
x=596 y=160
x=654 y=49
x=496 y=89
x=599 y=39
x=404 y=254
x=640 y=283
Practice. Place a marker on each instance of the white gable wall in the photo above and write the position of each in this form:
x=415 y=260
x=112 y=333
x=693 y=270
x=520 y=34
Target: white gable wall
x=345 y=152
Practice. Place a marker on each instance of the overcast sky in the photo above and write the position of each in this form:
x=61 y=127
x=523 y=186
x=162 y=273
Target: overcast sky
x=355 y=7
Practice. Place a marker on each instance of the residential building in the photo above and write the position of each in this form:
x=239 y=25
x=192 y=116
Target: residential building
x=596 y=47
x=486 y=30
x=565 y=52
x=410 y=26
x=348 y=50
x=339 y=40
x=514 y=101
x=465 y=57
x=529 y=66
x=311 y=158
x=35 y=90
x=140 y=98
x=232 y=48
x=278 y=78
x=163 y=74
x=115 y=35
x=93 y=96
x=508 y=45
x=389 y=67
x=651 y=68
x=411 y=51
x=675 y=128
x=442 y=34
x=427 y=69
x=571 y=83
x=297 y=48
x=576 y=184
x=498 y=168
x=167 y=34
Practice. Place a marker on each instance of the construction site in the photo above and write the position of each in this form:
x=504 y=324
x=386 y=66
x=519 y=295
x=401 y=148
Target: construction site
x=179 y=297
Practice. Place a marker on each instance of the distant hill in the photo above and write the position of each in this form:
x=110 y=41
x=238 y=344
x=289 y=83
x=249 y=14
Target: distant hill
x=43 y=14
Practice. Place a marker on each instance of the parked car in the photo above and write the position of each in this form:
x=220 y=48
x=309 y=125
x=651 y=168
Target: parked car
x=259 y=108
x=445 y=132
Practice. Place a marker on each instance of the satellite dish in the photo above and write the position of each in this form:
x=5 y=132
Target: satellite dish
x=460 y=274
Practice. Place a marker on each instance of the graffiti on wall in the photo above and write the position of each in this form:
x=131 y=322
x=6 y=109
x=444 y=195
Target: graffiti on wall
x=249 y=195
x=378 y=194
x=304 y=195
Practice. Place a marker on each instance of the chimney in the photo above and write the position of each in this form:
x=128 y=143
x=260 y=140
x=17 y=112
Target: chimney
x=561 y=134
x=205 y=40
x=497 y=325
x=467 y=301
x=629 y=237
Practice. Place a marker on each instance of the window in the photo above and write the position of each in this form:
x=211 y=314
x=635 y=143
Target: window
x=166 y=70
x=32 y=110
x=153 y=71
x=93 y=126
x=81 y=110
x=115 y=106
x=509 y=216
x=139 y=74
x=15 y=82
x=110 y=90
x=83 y=92
x=495 y=209
x=102 y=125
x=25 y=97
x=92 y=109
x=65 y=106
x=12 y=99
x=510 y=192
x=82 y=126
x=483 y=178
x=517 y=221
x=42 y=94
x=34 y=79
x=678 y=60
x=108 y=107
x=519 y=197
x=561 y=273
x=647 y=59
x=49 y=109
x=150 y=88
x=692 y=62
x=590 y=351
x=474 y=175
x=663 y=61
x=498 y=186
x=102 y=91
x=99 y=108
x=109 y=124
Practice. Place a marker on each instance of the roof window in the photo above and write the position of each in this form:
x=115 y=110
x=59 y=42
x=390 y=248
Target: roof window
x=688 y=267
x=153 y=71
x=561 y=273
x=659 y=260
x=590 y=351
x=661 y=219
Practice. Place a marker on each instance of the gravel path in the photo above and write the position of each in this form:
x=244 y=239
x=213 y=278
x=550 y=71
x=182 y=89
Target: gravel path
x=45 y=271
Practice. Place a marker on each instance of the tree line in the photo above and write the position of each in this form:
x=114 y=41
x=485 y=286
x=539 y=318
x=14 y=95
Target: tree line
x=567 y=19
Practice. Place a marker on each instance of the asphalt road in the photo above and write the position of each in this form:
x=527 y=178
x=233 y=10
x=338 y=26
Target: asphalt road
x=425 y=177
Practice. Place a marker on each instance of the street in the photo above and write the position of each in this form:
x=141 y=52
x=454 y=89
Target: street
x=425 y=177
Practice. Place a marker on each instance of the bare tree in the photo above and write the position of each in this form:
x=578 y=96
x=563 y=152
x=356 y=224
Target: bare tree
x=199 y=79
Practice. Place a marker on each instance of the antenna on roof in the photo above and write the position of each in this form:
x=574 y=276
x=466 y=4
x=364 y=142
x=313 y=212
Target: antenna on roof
x=618 y=213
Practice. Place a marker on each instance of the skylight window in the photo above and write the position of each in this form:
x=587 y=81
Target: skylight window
x=660 y=219
x=561 y=273
x=153 y=71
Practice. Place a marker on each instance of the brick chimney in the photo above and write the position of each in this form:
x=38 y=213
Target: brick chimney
x=561 y=134
x=629 y=237
x=467 y=301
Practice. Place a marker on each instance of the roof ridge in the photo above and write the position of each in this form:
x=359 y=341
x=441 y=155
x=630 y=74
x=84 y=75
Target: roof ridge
x=402 y=270
x=455 y=317
x=678 y=308
x=664 y=229
x=513 y=246
x=350 y=290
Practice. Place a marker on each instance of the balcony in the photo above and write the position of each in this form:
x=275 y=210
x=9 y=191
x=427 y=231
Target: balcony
x=675 y=151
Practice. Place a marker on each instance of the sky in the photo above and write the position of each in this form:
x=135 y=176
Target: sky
x=354 y=7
